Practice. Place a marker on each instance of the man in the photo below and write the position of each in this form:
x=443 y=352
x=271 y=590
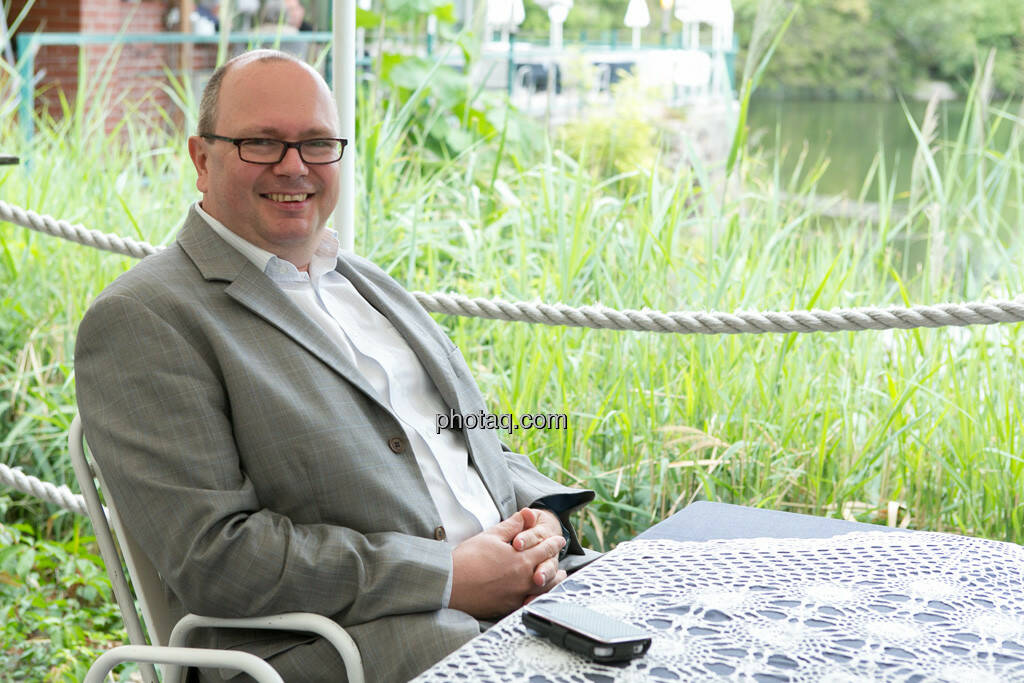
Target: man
x=282 y=20
x=297 y=15
x=263 y=410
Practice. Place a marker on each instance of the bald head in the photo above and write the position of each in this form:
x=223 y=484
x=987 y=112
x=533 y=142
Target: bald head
x=209 y=104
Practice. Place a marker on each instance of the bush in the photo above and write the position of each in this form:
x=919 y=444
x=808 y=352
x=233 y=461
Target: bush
x=56 y=606
x=618 y=139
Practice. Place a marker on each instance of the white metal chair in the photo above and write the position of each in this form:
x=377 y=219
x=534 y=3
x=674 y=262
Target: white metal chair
x=169 y=638
x=183 y=656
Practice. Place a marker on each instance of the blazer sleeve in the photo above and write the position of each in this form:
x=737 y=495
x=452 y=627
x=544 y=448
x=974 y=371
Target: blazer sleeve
x=533 y=488
x=158 y=422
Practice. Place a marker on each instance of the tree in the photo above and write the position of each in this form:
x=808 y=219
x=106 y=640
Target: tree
x=833 y=48
x=874 y=48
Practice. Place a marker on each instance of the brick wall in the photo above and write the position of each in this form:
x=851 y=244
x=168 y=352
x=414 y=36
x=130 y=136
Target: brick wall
x=136 y=70
x=48 y=15
x=60 y=63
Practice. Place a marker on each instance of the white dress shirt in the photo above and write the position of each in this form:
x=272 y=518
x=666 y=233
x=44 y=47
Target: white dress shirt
x=390 y=366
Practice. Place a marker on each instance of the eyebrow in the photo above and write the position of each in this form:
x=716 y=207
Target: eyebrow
x=270 y=131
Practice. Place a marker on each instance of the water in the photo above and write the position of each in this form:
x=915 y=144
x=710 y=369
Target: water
x=852 y=134
x=849 y=134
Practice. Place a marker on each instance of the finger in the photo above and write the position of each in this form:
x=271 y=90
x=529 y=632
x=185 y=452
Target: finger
x=529 y=538
x=559 y=577
x=544 y=550
x=545 y=572
x=509 y=528
x=544 y=524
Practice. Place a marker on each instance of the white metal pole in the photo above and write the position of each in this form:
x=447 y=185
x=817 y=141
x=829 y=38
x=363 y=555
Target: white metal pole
x=343 y=70
x=556 y=36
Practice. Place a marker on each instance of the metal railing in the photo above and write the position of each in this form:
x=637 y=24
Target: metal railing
x=29 y=44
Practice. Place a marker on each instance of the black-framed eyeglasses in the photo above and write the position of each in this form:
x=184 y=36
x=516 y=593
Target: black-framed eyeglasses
x=270 y=151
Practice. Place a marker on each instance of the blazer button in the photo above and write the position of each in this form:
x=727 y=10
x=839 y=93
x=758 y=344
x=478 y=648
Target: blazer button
x=396 y=445
x=440 y=534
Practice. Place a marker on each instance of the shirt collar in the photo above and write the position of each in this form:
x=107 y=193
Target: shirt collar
x=324 y=258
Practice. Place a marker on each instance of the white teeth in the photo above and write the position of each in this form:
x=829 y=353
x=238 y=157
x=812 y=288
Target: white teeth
x=288 y=197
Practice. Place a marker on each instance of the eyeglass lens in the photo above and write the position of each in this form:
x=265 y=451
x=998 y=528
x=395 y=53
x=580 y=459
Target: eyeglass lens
x=264 y=151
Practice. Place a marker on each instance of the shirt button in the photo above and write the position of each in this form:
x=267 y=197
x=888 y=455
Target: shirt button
x=396 y=445
x=440 y=534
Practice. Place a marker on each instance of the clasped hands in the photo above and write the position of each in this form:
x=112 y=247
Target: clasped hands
x=508 y=565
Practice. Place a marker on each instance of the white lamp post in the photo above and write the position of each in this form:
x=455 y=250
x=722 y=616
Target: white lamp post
x=666 y=18
x=505 y=15
x=637 y=18
x=558 y=12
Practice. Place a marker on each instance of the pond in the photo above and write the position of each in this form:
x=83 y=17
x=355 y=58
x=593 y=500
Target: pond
x=849 y=135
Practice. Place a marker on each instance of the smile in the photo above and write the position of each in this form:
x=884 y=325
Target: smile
x=288 y=197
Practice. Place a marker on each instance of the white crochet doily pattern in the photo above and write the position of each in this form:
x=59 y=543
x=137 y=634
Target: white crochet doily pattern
x=860 y=607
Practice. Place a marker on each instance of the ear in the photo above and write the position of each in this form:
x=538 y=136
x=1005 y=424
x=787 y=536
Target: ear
x=198 y=150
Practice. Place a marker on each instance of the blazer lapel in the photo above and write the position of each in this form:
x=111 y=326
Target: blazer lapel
x=217 y=260
x=484 y=450
x=427 y=348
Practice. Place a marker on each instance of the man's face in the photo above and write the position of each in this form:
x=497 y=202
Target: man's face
x=280 y=207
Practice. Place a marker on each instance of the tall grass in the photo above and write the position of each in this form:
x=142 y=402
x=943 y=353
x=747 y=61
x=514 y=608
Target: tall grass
x=808 y=422
x=827 y=424
x=819 y=423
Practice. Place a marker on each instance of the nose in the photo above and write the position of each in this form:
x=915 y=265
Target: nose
x=292 y=164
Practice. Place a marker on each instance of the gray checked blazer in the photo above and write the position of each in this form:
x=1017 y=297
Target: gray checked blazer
x=259 y=472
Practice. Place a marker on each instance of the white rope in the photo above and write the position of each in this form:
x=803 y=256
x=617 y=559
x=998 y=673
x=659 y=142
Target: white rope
x=741 y=322
x=61 y=495
x=594 y=317
x=600 y=317
x=75 y=233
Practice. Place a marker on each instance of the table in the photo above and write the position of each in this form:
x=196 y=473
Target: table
x=757 y=595
x=705 y=520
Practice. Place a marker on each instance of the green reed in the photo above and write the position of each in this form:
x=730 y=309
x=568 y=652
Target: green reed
x=816 y=423
x=828 y=424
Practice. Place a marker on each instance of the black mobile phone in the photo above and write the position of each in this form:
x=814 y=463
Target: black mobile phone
x=592 y=634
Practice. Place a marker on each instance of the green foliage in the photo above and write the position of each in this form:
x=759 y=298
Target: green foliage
x=405 y=18
x=436 y=108
x=594 y=17
x=55 y=605
x=875 y=48
x=56 y=608
x=367 y=19
x=834 y=48
x=812 y=423
x=619 y=140
x=444 y=114
x=405 y=10
x=947 y=37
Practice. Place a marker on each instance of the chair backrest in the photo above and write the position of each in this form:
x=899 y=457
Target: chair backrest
x=143 y=574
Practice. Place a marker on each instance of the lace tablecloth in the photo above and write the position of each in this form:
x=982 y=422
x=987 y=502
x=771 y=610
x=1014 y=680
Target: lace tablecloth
x=859 y=607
